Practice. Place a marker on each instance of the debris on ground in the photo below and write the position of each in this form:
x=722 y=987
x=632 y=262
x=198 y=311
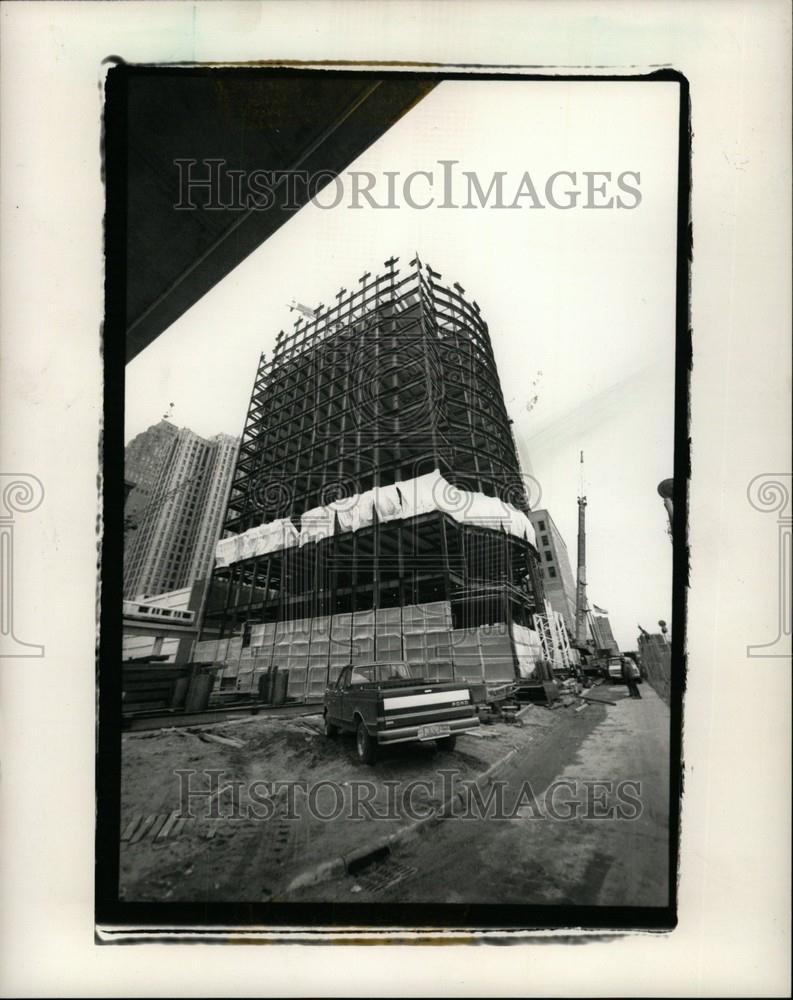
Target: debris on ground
x=224 y=740
x=600 y=701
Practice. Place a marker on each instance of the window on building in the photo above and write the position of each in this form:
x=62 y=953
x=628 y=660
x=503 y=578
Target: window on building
x=551 y=571
x=544 y=540
x=548 y=556
x=542 y=525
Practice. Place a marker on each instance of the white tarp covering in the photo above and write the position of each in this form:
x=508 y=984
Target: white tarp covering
x=316 y=524
x=358 y=511
x=427 y=493
x=264 y=538
x=421 y=495
x=353 y=512
x=490 y=512
x=387 y=503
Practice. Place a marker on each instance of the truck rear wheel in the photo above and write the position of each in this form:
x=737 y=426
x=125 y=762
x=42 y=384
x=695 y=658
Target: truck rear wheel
x=365 y=746
x=447 y=743
x=330 y=729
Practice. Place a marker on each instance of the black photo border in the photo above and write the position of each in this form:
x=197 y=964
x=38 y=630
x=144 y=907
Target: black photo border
x=121 y=920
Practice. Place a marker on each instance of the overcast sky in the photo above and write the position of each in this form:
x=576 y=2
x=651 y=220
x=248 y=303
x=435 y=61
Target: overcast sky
x=584 y=297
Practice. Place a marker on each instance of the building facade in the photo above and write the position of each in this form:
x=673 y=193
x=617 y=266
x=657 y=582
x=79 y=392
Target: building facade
x=144 y=459
x=602 y=635
x=557 y=575
x=173 y=542
x=378 y=508
x=138 y=646
x=216 y=493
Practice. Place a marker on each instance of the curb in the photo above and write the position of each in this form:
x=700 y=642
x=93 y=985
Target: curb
x=340 y=865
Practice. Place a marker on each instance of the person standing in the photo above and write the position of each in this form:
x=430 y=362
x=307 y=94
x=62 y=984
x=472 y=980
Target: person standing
x=628 y=678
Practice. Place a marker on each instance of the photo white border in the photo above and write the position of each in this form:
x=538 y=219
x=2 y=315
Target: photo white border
x=734 y=893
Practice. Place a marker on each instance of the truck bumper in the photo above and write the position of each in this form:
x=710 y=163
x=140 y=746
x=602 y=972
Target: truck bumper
x=409 y=734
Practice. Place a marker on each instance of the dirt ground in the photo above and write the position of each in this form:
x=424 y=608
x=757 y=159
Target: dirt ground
x=250 y=844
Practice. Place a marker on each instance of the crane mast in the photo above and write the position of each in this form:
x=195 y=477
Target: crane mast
x=580 y=594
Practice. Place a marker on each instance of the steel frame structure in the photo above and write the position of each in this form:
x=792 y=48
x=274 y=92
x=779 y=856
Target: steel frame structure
x=396 y=379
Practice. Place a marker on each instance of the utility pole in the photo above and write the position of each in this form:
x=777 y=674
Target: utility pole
x=580 y=594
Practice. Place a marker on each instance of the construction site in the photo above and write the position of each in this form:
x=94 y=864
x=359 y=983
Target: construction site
x=378 y=515
x=358 y=661
x=377 y=509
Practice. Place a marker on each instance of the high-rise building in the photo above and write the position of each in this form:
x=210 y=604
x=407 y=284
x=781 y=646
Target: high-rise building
x=144 y=459
x=378 y=507
x=216 y=494
x=602 y=636
x=557 y=575
x=176 y=531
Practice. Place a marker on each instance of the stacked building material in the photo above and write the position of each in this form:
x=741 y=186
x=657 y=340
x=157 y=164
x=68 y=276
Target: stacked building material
x=498 y=660
x=291 y=654
x=340 y=645
x=528 y=649
x=244 y=678
x=363 y=636
x=314 y=650
x=388 y=634
x=467 y=655
x=262 y=645
x=318 y=658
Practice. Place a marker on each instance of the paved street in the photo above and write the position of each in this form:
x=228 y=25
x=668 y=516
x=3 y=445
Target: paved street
x=584 y=860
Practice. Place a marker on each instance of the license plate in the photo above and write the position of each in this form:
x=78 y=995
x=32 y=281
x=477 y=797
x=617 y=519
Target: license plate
x=433 y=732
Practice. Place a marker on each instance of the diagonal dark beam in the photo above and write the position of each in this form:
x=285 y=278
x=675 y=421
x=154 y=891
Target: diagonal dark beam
x=311 y=121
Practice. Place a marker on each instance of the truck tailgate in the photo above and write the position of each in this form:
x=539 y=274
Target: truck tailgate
x=408 y=710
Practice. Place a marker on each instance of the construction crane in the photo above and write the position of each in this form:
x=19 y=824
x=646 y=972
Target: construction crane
x=580 y=593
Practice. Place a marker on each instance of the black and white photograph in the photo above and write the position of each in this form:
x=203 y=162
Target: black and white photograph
x=404 y=396
x=395 y=498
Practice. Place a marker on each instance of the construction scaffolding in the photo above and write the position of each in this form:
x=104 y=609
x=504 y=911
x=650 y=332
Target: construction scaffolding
x=377 y=507
x=554 y=640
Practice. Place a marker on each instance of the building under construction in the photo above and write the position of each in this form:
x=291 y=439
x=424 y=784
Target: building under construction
x=377 y=510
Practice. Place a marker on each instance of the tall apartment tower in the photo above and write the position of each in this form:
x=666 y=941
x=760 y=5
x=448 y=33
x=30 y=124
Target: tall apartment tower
x=558 y=579
x=144 y=459
x=378 y=508
x=177 y=530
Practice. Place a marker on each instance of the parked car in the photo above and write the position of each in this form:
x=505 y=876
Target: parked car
x=384 y=703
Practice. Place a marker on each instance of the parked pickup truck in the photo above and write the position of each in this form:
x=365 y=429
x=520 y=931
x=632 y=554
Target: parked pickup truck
x=383 y=703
